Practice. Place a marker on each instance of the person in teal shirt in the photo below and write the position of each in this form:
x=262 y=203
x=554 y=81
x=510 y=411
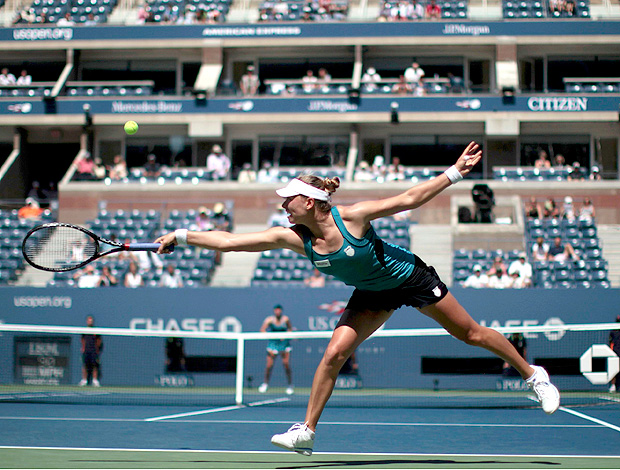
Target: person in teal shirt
x=277 y=347
x=340 y=241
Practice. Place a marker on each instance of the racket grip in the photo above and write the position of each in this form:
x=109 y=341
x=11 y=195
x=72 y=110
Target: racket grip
x=147 y=247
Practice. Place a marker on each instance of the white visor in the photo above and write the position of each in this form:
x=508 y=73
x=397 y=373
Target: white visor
x=297 y=186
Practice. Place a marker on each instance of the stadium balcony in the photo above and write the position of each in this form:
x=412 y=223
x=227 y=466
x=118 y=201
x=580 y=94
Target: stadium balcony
x=592 y=84
x=394 y=10
x=187 y=11
x=80 y=11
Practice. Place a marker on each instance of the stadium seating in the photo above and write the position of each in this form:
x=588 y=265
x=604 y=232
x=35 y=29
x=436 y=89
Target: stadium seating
x=302 y=10
x=12 y=233
x=53 y=10
x=196 y=265
x=181 y=11
x=514 y=173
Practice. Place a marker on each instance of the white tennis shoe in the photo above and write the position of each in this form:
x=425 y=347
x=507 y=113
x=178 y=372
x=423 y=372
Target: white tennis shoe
x=82 y=383
x=263 y=388
x=290 y=390
x=547 y=394
x=298 y=438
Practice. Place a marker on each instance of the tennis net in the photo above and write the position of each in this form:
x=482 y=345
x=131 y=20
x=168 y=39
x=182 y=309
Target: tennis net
x=393 y=368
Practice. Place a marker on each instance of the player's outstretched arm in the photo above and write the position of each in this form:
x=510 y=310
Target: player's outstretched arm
x=273 y=238
x=420 y=194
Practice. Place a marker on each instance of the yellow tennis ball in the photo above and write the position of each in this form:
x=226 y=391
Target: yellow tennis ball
x=131 y=127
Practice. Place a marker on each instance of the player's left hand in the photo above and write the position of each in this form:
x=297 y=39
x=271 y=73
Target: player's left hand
x=469 y=158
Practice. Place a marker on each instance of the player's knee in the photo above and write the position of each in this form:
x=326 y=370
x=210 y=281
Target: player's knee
x=334 y=357
x=474 y=336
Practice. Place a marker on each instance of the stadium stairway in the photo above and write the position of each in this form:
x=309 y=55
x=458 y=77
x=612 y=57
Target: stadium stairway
x=433 y=243
x=237 y=269
x=609 y=236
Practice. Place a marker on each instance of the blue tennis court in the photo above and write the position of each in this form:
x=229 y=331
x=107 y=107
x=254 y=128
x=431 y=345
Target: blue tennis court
x=36 y=435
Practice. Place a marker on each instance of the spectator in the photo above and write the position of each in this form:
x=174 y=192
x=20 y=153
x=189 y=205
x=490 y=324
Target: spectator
x=569 y=7
x=279 y=218
x=90 y=20
x=66 y=20
x=133 y=278
x=561 y=252
x=323 y=79
x=249 y=82
x=414 y=76
x=378 y=168
x=575 y=173
x=37 y=193
x=395 y=171
x=417 y=11
x=24 y=79
x=92 y=346
x=203 y=220
x=540 y=250
x=221 y=218
x=51 y=193
x=118 y=170
x=402 y=87
x=477 y=280
x=533 y=209
x=218 y=163
x=85 y=168
x=107 y=279
x=316 y=279
x=31 y=211
x=267 y=174
x=309 y=82
x=370 y=79
x=498 y=265
x=7 y=78
x=247 y=174
x=171 y=278
x=587 y=211
x=151 y=169
x=363 y=173
x=550 y=210
x=433 y=11
x=568 y=209
x=523 y=270
x=99 y=169
x=595 y=174
x=147 y=259
x=499 y=280
x=559 y=160
x=87 y=278
x=457 y=84
x=543 y=160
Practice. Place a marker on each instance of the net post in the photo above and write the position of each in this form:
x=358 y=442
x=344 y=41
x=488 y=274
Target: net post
x=240 y=371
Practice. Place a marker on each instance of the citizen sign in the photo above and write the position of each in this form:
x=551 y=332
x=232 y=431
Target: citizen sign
x=540 y=103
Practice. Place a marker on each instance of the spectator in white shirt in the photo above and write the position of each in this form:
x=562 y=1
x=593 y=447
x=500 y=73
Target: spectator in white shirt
x=523 y=269
x=24 y=78
x=370 y=79
x=477 y=280
x=87 y=278
x=218 y=163
x=6 y=77
x=499 y=280
x=133 y=278
x=171 y=277
x=540 y=250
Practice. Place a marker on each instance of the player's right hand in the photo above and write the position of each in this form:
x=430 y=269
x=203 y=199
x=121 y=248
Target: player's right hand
x=167 y=240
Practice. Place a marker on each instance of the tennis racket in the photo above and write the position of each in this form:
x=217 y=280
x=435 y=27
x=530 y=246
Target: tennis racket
x=59 y=247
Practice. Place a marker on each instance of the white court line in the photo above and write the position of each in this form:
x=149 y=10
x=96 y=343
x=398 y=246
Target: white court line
x=194 y=413
x=380 y=454
x=217 y=410
x=617 y=400
x=323 y=423
x=590 y=418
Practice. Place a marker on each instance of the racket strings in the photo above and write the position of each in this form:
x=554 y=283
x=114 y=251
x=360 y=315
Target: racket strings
x=59 y=248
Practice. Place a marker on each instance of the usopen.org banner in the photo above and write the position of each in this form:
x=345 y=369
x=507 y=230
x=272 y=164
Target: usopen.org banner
x=310 y=30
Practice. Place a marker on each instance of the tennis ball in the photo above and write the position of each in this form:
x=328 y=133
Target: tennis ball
x=131 y=127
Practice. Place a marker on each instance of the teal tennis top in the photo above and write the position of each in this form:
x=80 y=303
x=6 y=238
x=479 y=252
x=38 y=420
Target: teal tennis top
x=278 y=345
x=368 y=263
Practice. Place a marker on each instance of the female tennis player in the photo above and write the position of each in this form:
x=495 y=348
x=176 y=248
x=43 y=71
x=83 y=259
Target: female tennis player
x=341 y=242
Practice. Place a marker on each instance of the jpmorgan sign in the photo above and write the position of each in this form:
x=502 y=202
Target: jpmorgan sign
x=554 y=103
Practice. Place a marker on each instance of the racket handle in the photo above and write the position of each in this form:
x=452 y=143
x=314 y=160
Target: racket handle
x=147 y=247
